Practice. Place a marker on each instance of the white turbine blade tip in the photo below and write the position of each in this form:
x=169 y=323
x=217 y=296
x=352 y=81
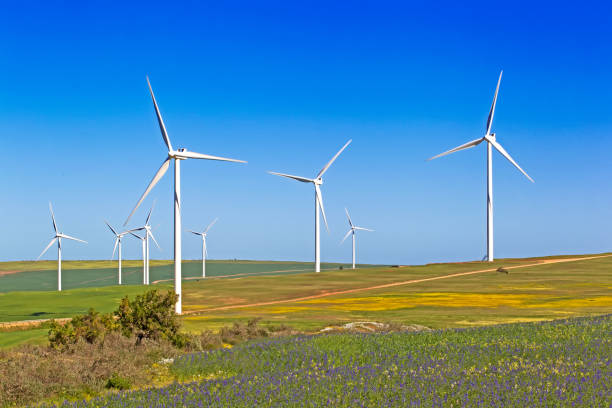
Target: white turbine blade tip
x=46 y=248
x=319 y=196
x=195 y=155
x=298 y=178
x=160 y=173
x=458 y=148
x=324 y=169
x=509 y=158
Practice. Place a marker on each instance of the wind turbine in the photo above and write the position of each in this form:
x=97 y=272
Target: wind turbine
x=148 y=233
x=352 y=231
x=491 y=142
x=144 y=257
x=58 y=237
x=204 y=251
x=176 y=156
x=118 y=237
x=317 y=181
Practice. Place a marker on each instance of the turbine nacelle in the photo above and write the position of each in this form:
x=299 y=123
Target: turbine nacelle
x=178 y=154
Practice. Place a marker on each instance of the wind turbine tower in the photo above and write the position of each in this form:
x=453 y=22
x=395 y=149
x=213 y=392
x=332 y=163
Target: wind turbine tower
x=352 y=232
x=491 y=140
x=317 y=182
x=176 y=156
x=204 y=250
x=58 y=237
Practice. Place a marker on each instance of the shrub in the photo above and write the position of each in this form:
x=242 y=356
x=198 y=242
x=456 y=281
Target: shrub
x=118 y=382
x=150 y=316
x=90 y=328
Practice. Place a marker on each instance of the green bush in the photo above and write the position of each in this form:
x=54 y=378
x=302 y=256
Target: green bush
x=150 y=316
x=90 y=328
x=118 y=382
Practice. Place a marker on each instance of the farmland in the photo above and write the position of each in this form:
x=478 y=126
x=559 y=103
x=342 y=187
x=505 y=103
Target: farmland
x=556 y=312
x=286 y=293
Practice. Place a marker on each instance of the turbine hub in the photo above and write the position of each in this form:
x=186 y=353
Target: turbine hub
x=318 y=181
x=173 y=153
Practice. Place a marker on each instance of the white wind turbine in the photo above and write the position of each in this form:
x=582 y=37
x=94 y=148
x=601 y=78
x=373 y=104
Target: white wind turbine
x=144 y=257
x=352 y=231
x=204 y=251
x=118 y=237
x=176 y=156
x=58 y=237
x=491 y=141
x=148 y=233
x=317 y=181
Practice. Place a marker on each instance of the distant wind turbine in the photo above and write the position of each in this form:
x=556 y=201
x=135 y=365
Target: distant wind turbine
x=148 y=233
x=118 y=237
x=317 y=181
x=352 y=231
x=58 y=237
x=491 y=141
x=176 y=156
x=144 y=257
x=204 y=250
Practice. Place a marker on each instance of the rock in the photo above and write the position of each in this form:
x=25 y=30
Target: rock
x=374 y=327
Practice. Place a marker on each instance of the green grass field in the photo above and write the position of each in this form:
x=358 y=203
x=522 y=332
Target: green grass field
x=541 y=292
x=41 y=276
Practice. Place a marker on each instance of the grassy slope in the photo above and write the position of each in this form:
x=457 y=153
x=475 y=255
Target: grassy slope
x=533 y=293
x=542 y=292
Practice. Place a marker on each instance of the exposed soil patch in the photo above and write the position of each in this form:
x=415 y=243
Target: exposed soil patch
x=2 y=273
x=29 y=323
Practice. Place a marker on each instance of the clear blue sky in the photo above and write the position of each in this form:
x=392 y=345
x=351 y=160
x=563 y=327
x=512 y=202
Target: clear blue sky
x=283 y=86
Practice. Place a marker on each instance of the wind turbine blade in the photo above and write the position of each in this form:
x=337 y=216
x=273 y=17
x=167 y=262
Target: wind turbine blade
x=150 y=211
x=111 y=228
x=115 y=247
x=162 y=127
x=194 y=155
x=364 y=229
x=320 y=199
x=492 y=111
x=160 y=173
x=197 y=233
x=349 y=217
x=59 y=242
x=137 y=229
x=53 y=217
x=462 y=147
x=46 y=248
x=137 y=236
x=324 y=169
x=346 y=236
x=72 y=238
x=298 y=178
x=210 y=225
x=151 y=234
x=507 y=156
